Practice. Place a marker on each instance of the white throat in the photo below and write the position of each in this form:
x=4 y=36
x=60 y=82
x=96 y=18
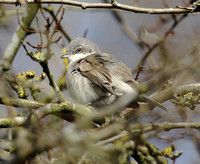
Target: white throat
x=73 y=58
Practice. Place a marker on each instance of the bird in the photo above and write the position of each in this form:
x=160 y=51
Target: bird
x=97 y=79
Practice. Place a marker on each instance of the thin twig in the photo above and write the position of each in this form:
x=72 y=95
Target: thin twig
x=176 y=22
x=138 y=73
x=85 y=33
x=41 y=43
x=59 y=27
x=57 y=23
x=114 y=5
x=127 y=30
x=55 y=16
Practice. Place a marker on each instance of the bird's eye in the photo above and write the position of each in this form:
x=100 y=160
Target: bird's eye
x=79 y=50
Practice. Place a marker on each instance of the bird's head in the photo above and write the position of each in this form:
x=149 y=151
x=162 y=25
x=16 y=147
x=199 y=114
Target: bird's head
x=80 y=48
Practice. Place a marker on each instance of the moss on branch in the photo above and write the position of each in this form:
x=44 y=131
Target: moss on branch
x=11 y=122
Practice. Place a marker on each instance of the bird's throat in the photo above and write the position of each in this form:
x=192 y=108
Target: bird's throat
x=76 y=57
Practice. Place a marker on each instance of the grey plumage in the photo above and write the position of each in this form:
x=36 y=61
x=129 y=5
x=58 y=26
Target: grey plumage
x=96 y=78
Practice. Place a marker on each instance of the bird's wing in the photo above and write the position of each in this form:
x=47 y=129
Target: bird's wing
x=117 y=68
x=94 y=69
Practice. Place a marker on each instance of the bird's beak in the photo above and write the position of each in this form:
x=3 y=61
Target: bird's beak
x=64 y=56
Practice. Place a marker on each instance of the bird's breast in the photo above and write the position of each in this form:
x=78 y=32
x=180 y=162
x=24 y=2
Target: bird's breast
x=81 y=88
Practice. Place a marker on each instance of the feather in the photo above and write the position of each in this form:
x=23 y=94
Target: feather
x=94 y=70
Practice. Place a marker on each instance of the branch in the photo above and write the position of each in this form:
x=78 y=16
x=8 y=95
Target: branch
x=52 y=81
x=165 y=126
x=11 y=122
x=20 y=34
x=84 y=111
x=45 y=109
x=21 y=103
x=113 y=5
x=66 y=107
x=167 y=94
x=138 y=128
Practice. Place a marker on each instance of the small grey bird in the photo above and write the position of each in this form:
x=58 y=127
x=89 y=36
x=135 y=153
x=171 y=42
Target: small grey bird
x=97 y=79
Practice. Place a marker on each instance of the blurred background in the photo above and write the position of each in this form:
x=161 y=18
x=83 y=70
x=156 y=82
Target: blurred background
x=181 y=48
